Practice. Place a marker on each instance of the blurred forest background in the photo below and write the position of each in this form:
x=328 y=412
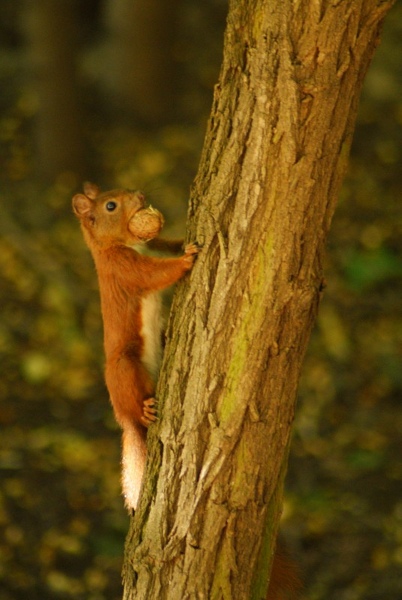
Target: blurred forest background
x=119 y=92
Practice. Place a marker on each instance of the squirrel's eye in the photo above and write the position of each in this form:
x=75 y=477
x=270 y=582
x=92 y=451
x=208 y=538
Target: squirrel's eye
x=110 y=206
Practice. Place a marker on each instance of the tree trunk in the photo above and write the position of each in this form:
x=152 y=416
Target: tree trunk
x=261 y=206
x=142 y=38
x=52 y=37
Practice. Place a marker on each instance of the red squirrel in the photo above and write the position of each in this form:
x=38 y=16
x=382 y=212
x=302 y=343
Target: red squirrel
x=115 y=224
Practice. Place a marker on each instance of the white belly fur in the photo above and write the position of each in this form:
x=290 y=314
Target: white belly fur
x=151 y=332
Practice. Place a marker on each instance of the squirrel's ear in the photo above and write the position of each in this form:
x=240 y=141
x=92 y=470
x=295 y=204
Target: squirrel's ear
x=82 y=205
x=91 y=190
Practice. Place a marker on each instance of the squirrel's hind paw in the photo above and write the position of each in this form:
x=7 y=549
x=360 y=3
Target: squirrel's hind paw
x=149 y=412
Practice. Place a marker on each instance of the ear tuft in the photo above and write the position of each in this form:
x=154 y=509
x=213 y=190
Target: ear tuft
x=91 y=190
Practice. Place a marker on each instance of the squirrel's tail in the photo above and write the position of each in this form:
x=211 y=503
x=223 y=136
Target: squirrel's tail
x=133 y=463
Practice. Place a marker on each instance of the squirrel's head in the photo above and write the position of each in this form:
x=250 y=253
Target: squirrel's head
x=118 y=217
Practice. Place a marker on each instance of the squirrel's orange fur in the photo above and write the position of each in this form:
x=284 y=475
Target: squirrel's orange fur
x=113 y=224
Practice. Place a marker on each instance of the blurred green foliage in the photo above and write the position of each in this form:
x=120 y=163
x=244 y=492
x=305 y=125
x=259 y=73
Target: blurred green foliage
x=61 y=514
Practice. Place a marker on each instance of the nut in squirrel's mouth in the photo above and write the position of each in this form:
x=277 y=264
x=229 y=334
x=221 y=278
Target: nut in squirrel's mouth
x=146 y=223
x=155 y=211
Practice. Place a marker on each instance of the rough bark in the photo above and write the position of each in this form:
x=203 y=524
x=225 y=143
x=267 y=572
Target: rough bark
x=272 y=165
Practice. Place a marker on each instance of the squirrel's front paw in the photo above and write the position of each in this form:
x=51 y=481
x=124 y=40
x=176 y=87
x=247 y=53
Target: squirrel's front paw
x=190 y=252
x=149 y=412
